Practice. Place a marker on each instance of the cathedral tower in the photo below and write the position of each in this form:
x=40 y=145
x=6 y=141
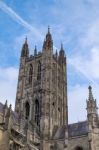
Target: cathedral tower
x=93 y=122
x=42 y=90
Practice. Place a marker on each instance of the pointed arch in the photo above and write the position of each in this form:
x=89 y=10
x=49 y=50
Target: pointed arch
x=30 y=73
x=27 y=110
x=39 y=71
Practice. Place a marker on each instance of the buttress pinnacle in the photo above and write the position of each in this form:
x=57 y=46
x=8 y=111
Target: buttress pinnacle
x=48 y=29
x=90 y=93
x=26 y=40
x=25 y=49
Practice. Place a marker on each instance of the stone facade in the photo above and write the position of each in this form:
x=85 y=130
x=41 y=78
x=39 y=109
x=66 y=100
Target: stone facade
x=40 y=119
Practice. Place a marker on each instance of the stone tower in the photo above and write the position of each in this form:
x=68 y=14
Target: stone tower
x=41 y=97
x=93 y=121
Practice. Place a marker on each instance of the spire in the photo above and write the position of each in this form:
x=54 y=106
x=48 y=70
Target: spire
x=26 y=40
x=61 y=55
x=90 y=93
x=48 y=29
x=35 y=51
x=62 y=49
x=9 y=111
x=48 y=35
x=48 y=42
x=6 y=104
x=25 y=49
x=92 y=113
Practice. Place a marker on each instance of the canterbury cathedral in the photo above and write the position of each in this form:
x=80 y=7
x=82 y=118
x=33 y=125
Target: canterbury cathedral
x=40 y=118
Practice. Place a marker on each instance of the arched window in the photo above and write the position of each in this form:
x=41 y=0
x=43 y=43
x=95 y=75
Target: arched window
x=30 y=74
x=37 y=113
x=79 y=148
x=39 y=71
x=27 y=110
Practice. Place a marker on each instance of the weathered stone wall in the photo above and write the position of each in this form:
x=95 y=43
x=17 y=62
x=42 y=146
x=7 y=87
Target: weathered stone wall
x=81 y=141
x=4 y=140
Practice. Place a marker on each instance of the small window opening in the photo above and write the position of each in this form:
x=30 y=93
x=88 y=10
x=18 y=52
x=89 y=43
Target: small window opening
x=30 y=74
x=37 y=113
x=39 y=71
x=27 y=108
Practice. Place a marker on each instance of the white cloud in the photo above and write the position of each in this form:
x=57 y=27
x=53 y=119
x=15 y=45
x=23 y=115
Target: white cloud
x=77 y=96
x=8 y=84
x=89 y=67
x=70 y=23
x=91 y=35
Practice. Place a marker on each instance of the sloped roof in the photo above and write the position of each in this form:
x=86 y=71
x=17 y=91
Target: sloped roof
x=76 y=129
x=15 y=117
x=60 y=134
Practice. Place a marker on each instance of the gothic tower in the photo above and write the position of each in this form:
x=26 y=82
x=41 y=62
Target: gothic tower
x=93 y=123
x=41 y=98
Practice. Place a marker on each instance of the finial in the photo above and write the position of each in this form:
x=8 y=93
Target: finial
x=62 y=46
x=26 y=40
x=90 y=88
x=6 y=104
x=35 y=47
x=35 y=50
x=90 y=93
x=48 y=29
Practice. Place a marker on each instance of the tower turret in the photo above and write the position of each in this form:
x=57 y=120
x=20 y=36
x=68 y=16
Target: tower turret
x=48 y=42
x=35 y=51
x=62 y=50
x=25 y=49
x=92 y=113
x=8 y=117
x=5 y=108
x=21 y=77
x=61 y=55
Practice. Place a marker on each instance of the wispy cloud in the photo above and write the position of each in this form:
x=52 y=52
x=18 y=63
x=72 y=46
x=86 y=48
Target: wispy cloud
x=19 y=19
x=77 y=30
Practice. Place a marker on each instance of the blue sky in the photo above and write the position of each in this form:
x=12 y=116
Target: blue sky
x=73 y=22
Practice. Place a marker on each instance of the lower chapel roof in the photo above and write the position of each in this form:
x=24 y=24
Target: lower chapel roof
x=75 y=129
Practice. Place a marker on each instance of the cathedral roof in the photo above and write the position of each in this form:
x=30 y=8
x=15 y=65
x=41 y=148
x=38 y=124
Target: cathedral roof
x=75 y=129
x=78 y=129
x=15 y=117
